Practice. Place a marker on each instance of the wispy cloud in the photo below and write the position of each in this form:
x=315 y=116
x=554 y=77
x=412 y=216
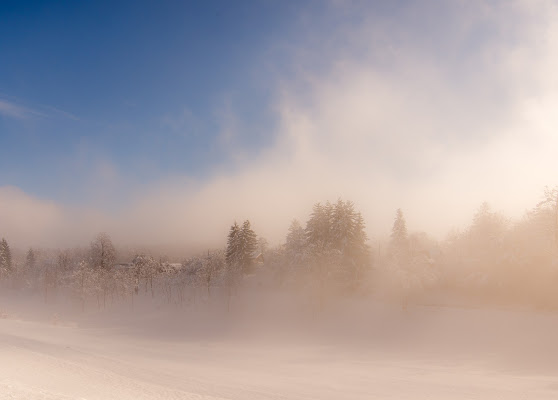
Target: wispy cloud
x=12 y=109
x=54 y=112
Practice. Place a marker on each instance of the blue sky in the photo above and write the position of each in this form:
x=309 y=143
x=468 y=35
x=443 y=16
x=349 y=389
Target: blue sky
x=149 y=119
x=144 y=86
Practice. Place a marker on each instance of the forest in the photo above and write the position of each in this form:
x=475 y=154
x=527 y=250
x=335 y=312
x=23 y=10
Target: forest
x=494 y=260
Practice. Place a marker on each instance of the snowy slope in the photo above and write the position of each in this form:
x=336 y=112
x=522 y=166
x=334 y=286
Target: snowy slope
x=449 y=358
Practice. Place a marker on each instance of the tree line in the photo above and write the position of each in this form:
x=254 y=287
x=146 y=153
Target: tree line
x=329 y=254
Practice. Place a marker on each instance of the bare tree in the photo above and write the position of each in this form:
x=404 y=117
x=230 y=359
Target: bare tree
x=103 y=256
x=212 y=265
x=102 y=252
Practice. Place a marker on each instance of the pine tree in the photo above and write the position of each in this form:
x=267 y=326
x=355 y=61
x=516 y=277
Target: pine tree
x=399 y=238
x=318 y=226
x=358 y=247
x=5 y=257
x=233 y=247
x=263 y=245
x=486 y=235
x=342 y=225
x=488 y=226
x=242 y=244
x=337 y=231
x=30 y=260
x=296 y=238
x=248 y=246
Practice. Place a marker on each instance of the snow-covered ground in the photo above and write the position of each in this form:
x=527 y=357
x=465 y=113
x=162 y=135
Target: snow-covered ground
x=363 y=351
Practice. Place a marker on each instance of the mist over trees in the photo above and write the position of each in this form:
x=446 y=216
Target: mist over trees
x=399 y=238
x=103 y=253
x=6 y=266
x=494 y=260
x=242 y=244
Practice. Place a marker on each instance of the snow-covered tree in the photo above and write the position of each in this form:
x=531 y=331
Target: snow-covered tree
x=357 y=252
x=5 y=257
x=296 y=246
x=348 y=231
x=64 y=260
x=102 y=252
x=318 y=226
x=342 y=225
x=191 y=276
x=212 y=266
x=336 y=242
x=263 y=245
x=488 y=226
x=233 y=260
x=123 y=284
x=358 y=245
x=242 y=244
x=248 y=246
x=336 y=226
x=102 y=255
x=486 y=238
x=349 y=238
x=233 y=247
x=399 y=239
x=30 y=259
x=545 y=216
x=83 y=282
x=145 y=267
x=296 y=238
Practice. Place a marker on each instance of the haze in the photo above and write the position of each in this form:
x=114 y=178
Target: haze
x=308 y=192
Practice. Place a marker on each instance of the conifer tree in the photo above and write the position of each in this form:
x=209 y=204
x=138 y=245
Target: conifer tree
x=242 y=244
x=342 y=225
x=296 y=238
x=263 y=245
x=248 y=246
x=232 y=260
x=358 y=247
x=233 y=246
x=30 y=259
x=5 y=257
x=399 y=238
x=318 y=226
